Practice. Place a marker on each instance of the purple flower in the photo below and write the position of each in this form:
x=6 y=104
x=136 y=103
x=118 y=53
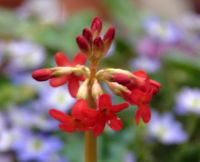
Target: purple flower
x=150 y=48
x=148 y=64
x=166 y=129
x=188 y=101
x=36 y=147
x=162 y=31
x=58 y=97
x=23 y=55
x=34 y=119
x=7 y=138
x=130 y=157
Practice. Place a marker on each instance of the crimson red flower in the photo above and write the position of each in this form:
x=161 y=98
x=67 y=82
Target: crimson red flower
x=141 y=91
x=55 y=81
x=81 y=118
x=71 y=79
x=106 y=113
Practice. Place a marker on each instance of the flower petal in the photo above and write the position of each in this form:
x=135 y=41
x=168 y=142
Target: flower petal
x=146 y=114
x=104 y=101
x=115 y=123
x=119 y=107
x=73 y=85
x=99 y=126
x=78 y=108
x=79 y=59
x=55 y=82
x=137 y=116
x=61 y=59
x=59 y=115
x=67 y=127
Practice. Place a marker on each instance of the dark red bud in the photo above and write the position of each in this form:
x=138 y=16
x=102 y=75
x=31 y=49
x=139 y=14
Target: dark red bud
x=87 y=33
x=98 y=44
x=109 y=35
x=83 y=44
x=96 y=25
x=42 y=74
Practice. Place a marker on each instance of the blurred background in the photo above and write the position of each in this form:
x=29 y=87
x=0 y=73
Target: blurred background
x=161 y=37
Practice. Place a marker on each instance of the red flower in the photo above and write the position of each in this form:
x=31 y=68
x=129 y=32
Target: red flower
x=81 y=118
x=142 y=100
x=141 y=91
x=71 y=79
x=106 y=113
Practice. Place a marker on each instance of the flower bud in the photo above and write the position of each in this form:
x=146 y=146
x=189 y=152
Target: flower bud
x=117 y=88
x=98 y=48
x=96 y=26
x=116 y=75
x=96 y=89
x=42 y=74
x=83 y=44
x=87 y=34
x=108 y=38
x=98 y=44
x=83 y=90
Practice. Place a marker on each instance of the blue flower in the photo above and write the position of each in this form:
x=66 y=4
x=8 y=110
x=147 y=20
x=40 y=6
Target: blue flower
x=188 y=101
x=58 y=97
x=36 y=147
x=23 y=55
x=166 y=129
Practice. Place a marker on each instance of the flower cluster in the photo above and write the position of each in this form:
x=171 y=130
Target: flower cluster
x=93 y=108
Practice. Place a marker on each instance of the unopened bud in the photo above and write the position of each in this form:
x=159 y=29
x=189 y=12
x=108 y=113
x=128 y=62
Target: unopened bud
x=96 y=89
x=87 y=33
x=83 y=90
x=117 y=88
x=83 y=44
x=108 y=37
x=96 y=26
x=42 y=74
x=111 y=74
x=98 y=44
